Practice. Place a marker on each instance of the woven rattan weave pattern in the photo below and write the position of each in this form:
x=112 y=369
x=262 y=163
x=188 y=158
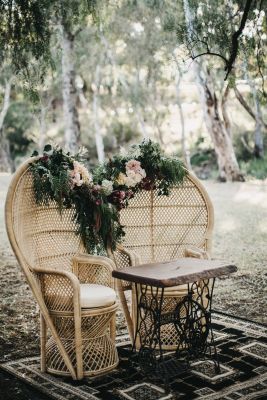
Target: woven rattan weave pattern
x=163 y=228
x=74 y=341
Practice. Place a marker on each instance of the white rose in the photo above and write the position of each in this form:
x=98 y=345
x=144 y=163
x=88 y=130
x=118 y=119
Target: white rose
x=130 y=181
x=107 y=186
x=138 y=178
x=142 y=172
x=130 y=173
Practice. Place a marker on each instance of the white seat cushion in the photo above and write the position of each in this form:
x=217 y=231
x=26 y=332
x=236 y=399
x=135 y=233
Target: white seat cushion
x=93 y=295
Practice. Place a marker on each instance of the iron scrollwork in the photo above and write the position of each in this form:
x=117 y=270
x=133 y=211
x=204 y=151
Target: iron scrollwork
x=191 y=318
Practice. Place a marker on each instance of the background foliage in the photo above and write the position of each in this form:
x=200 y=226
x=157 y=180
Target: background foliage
x=132 y=77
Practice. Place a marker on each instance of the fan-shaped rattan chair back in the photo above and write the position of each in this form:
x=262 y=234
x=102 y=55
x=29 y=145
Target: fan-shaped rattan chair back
x=162 y=228
x=39 y=235
x=159 y=228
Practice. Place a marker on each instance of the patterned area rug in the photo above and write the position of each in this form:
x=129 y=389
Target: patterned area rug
x=242 y=347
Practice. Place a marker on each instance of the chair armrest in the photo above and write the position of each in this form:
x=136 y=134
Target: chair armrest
x=196 y=252
x=93 y=269
x=124 y=258
x=129 y=258
x=60 y=289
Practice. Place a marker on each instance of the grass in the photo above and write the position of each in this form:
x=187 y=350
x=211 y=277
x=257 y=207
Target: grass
x=255 y=168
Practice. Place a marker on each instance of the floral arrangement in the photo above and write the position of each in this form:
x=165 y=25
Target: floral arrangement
x=99 y=195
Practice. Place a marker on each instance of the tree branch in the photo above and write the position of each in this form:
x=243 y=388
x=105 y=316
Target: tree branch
x=209 y=53
x=224 y=109
x=246 y=106
x=235 y=37
x=229 y=62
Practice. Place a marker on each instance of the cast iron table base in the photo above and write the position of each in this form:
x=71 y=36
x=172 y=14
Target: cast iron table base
x=192 y=321
x=191 y=317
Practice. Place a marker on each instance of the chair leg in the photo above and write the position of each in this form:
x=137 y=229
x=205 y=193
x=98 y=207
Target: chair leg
x=127 y=314
x=78 y=342
x=43 y=337
x=112 y=328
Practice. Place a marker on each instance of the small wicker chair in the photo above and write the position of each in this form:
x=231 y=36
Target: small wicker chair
x=74 y=291
x=162 y=228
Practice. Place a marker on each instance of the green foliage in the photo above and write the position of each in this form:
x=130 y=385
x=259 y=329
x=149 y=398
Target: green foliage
x=245 y=151
x=27 y=26
x=123 y=133
x=133 y=50
x=203 y=157
x=97 y=220
x=255 y=168
x=173 y=172
x=118 y=135
x=17 y=124
x=160 y=172
x=226 y=32
x=59 y=177
x=244 y=144
x=51 y=179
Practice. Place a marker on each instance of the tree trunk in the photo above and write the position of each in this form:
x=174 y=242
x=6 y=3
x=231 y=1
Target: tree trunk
x=185 y=150
x=120 y=79
x=226 y=158
x=157 y=126
x=71 y=119
x=45 y=104
x=258 y=137
x=141 y=122
x=138 y=107
x=259 y=147
x=42 y=127
x=98 y=137
x=227 y=122
x=5 y=161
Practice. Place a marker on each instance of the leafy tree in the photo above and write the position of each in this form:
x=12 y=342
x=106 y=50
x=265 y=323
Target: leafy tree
x=18 y=129
x=26 y=32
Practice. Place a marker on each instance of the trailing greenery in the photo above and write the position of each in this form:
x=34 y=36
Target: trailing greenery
x=99 y=196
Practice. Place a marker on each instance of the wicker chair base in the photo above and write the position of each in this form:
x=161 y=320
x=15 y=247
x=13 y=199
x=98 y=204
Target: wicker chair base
x=99 y=356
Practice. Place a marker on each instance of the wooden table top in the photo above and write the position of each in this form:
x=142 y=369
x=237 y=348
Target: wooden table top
x=176 y=272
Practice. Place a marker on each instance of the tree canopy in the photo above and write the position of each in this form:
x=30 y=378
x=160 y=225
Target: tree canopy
x=105 y=73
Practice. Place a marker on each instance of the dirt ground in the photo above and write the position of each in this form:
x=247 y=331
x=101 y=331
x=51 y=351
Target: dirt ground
x=240 y=236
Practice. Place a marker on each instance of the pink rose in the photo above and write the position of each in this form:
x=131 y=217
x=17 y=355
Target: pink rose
x=133 y=165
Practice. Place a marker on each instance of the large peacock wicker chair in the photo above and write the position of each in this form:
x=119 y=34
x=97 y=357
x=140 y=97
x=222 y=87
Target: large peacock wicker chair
x=163 y=228
x=74 y=290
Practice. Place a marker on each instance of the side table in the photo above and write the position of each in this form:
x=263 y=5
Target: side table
x=191 y=316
